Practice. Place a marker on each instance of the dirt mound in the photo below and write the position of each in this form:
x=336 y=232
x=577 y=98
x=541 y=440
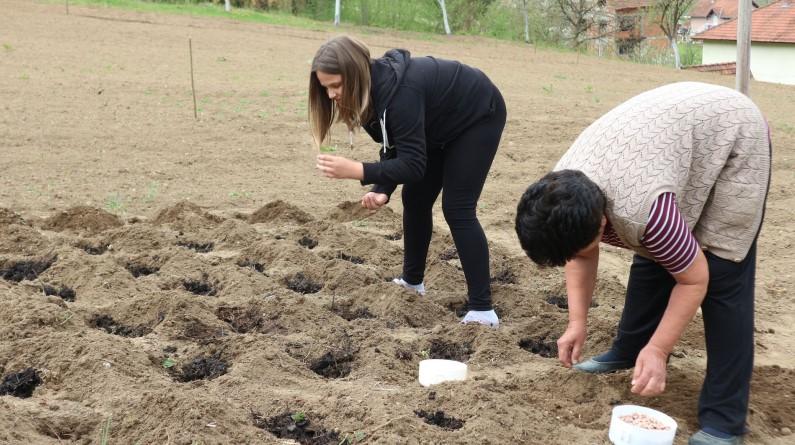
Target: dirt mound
x=186 y=216
x=8 y=217
x=82 y=219
x=22 y=240
x=353 y=211
x=279 y=211
x=154 y=311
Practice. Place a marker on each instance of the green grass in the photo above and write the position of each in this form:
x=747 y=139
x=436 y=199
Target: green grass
x=206 y=10
x=690 y=53
x=785 y=128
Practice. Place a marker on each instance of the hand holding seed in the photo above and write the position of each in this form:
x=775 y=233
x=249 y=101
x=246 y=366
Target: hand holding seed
x=571 y=342
x=337 y=167
x=373 y=200
x=649 y=376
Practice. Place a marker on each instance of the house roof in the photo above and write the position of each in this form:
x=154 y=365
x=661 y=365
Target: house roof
x=775 y=23
x=629 y=4
x=726 y=9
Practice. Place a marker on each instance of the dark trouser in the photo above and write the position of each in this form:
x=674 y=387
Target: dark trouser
x=728 y=312
x=460 y=168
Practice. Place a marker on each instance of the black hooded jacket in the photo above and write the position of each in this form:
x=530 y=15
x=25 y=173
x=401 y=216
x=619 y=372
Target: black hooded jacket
x=419 y=104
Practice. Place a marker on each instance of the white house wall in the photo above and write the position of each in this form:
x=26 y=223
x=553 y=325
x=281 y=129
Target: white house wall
x=770 y=62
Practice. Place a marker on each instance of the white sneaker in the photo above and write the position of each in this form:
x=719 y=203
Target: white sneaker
x=418 y=288
x=486 y=318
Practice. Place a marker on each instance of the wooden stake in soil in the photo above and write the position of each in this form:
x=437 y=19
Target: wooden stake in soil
x=192 y=84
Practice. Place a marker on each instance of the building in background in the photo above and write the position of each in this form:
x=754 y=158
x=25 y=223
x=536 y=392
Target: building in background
x=708 y=14
x=772 y=43
x=635 y=29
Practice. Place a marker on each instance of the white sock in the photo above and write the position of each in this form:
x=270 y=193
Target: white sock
x=418 y=288
x=486 y=318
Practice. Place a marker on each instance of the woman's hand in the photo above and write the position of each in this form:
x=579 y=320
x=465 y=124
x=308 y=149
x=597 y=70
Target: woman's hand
x=338 y=167
x=648 y=379
x=571 y=342
x=374 y=201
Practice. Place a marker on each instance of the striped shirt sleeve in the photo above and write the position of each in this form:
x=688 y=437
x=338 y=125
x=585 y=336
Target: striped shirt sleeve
x=667 y=238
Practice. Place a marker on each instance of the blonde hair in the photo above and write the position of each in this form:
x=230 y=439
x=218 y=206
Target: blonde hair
x=349 y=58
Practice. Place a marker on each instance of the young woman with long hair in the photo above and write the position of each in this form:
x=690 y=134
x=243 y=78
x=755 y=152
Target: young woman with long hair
x=439 y=123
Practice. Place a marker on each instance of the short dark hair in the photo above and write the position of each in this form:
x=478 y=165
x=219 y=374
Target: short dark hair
x=558 y=216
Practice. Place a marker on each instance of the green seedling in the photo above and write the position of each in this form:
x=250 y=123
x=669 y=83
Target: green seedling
x=151 y=192
x=547 y=88
x=241 y=194
x=298 y=417
x=357 y=437
x=169 y=363
x=104 y=435
x=328 y=148
x=114 y=203
x=589 y=88
x=66 y=319
x=425 y=354
x=8 y=47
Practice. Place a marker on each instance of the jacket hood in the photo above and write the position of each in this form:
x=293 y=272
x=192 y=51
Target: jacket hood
x=386 y=74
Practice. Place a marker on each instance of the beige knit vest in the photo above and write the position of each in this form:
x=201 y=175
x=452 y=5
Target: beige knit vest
x=707 y=144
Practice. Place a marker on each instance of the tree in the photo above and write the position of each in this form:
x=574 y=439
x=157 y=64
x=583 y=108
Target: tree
x=337 y=12
x=364 y=8
x=227 y=6
x=444 y=16
x=669 y=14
x=586 y=19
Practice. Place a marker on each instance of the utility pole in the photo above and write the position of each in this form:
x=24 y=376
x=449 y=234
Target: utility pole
x=743 y=45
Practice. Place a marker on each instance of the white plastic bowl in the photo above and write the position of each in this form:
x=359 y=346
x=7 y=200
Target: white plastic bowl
x=436 y=371
x=623 y=433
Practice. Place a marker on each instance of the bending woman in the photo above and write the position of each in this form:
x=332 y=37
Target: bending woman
x=678 y=175
x=438 y=123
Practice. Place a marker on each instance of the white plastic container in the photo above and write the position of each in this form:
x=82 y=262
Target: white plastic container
x=436 y=371
x=623 y=433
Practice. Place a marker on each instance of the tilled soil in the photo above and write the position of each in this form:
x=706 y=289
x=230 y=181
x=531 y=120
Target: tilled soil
x=195 y=281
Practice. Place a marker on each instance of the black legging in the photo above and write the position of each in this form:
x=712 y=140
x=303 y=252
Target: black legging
x=728 y=312
x=460 y=168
